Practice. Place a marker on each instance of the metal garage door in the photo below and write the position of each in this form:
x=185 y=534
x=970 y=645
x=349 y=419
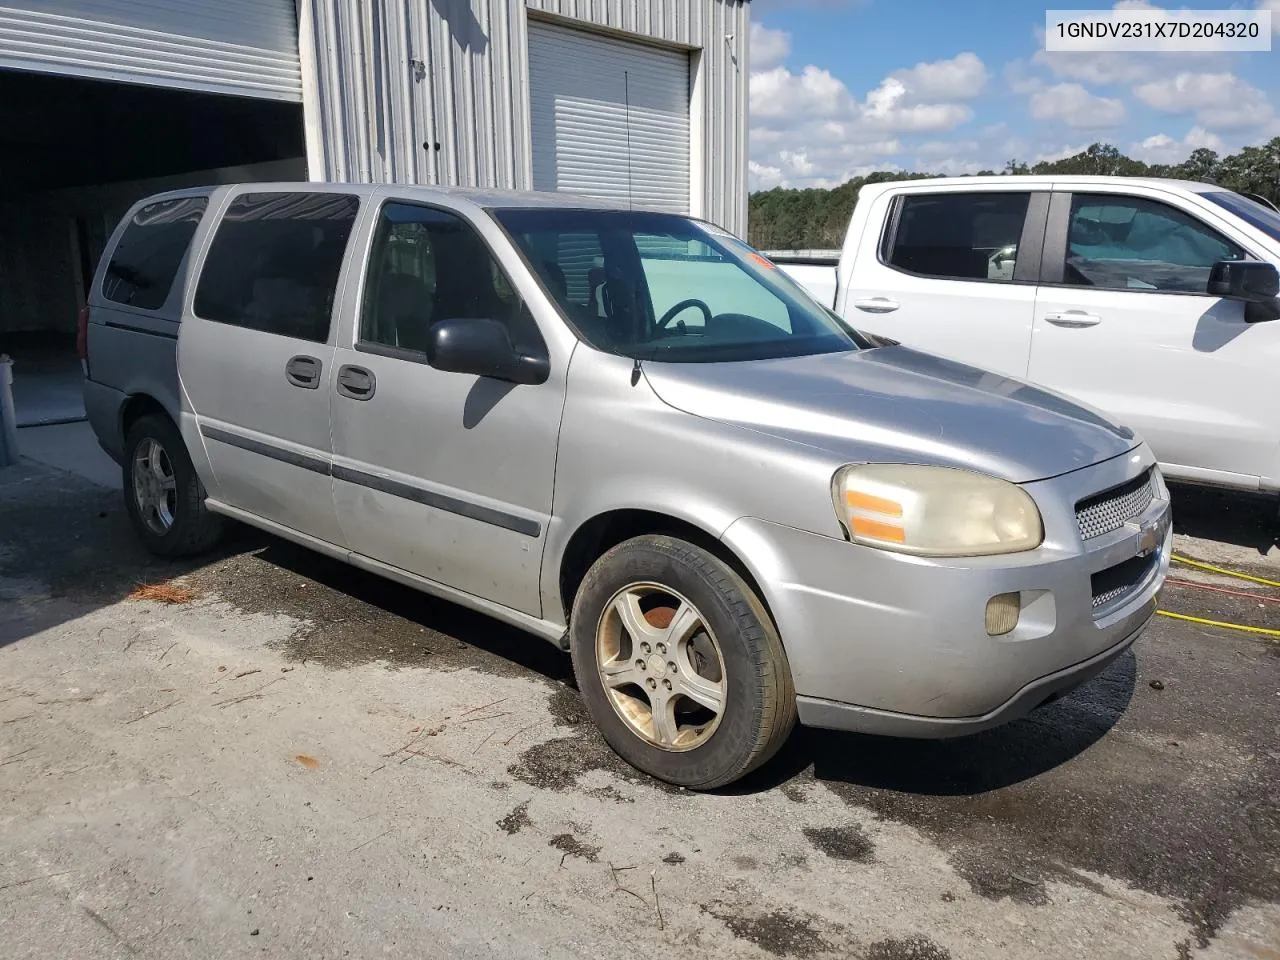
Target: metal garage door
x=609 y=118
x=245 y=47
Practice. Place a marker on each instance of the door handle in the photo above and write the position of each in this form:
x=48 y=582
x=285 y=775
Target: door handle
x=304 y=372
x=356 y=383
x=1073 y=319
x=876 y=305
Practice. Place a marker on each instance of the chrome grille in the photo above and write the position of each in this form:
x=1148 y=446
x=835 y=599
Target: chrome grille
x=1102 y=599
x=1112 y=509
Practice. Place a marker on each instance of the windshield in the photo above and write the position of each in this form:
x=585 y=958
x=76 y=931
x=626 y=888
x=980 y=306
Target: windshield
x=1250 y=211
x=656 y=286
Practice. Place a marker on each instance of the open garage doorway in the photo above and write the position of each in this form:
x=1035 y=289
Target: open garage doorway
x=75 y=154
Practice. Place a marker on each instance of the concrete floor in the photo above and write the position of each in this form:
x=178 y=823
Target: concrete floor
x=47 y=387
x=305 y=761
x=71 y=447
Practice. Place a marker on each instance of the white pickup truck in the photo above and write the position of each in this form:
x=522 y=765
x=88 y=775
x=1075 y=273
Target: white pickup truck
x=1148 y=299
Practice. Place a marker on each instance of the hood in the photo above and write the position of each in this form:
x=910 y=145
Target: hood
x=896 y=404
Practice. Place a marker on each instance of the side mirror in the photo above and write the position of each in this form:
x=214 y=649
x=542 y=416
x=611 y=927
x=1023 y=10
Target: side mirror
x=1256 y=284
x=483 y=348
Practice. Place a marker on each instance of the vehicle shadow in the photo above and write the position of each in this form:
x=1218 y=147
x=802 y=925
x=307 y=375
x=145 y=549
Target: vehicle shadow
x=67 y=550
x=1245 y=519
x=1010 y=754
x=360 y=616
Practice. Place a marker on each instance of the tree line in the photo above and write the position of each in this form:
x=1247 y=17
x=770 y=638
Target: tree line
x=815 y=218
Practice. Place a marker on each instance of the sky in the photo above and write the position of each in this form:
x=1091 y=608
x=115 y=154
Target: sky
x=840 y=88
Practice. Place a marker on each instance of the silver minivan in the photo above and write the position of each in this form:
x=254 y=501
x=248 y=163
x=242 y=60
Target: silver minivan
x=629 y=434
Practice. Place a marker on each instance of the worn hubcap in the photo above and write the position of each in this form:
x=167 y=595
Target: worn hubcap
x=661 y=666
x=154 y=486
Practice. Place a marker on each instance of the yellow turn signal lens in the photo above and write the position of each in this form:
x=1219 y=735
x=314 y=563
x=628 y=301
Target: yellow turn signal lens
x=878 y=530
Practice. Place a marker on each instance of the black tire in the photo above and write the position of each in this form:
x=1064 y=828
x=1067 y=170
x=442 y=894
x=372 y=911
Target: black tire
x=759 y=695
x=194 y=528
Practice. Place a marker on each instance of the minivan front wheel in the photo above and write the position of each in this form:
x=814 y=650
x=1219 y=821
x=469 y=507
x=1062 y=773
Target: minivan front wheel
x=163 y=494
x=679 y=663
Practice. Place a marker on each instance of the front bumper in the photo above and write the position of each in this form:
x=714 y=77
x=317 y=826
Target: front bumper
x=881 y=642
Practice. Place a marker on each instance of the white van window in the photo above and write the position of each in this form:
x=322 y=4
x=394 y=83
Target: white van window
x=669 y=288
x=429 y=265
x=145 y=262
x=274 y=263
x=959 y=236
x=674 y=267
x=1131 y=243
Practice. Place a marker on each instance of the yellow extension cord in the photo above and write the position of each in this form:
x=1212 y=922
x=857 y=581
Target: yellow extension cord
x=1221 y=623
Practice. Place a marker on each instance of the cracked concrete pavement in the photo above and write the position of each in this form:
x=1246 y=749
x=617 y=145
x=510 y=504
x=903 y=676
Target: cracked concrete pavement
x=305 y=761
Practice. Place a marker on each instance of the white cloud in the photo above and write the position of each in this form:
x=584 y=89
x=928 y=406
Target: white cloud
x=1274 y=7
x=1108 y=67
x=962 y=77
x=1220 y=101
x=762 y=177
x=779 y=93
x=946 y=148
x=808 y=128
x=768 y=47
x=1050 y=154
x=889 y=107
x=1162 y=148
x=1077 y=107
x=797 y=162
x=1019 y=78
x=763 y=6
x=949 y=166
x=1098 y=69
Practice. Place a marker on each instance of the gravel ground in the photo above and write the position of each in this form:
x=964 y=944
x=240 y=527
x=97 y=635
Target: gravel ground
x=306 y=761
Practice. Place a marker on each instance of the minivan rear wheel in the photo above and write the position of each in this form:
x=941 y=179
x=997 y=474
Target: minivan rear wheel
x=679 y=664
x=163 y=494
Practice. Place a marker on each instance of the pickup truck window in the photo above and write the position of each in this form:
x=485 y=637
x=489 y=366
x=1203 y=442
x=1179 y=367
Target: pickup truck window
x=958 y=236
x=146 y=260
x=1250 y=211
x=1131 y=243
x=656 y=286
x=274 y=262
x=427 y=265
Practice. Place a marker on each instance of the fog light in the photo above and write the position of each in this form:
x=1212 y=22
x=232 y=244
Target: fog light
x=1002 y=613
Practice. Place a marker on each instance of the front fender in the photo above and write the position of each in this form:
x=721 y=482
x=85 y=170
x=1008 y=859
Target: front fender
x=623 y=448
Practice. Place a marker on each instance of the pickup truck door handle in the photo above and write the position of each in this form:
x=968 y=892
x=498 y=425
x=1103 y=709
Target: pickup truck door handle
x=304 y=372
x=355 y=383
x=1073 y=319
x=876 y=305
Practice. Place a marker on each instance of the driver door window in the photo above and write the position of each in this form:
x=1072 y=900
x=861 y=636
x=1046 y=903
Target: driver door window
x=428 y=265
x=675 y=270
x=1130 y=243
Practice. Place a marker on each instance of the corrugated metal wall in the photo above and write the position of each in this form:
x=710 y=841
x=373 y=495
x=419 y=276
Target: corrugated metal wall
x=442 y=94
x=245 y=47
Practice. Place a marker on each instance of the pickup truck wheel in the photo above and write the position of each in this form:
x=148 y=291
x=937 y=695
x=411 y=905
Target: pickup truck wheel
x=162 y=493
x=679 y=664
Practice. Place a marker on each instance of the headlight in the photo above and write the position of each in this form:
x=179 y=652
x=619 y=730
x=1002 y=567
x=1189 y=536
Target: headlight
x=934 y=511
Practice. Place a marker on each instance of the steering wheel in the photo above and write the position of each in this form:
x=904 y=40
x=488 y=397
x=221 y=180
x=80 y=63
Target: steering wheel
x=684 y=305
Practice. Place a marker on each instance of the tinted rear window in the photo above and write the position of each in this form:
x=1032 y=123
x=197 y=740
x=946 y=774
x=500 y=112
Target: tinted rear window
x=274 y=263
x=959 y=236
x=146 y=261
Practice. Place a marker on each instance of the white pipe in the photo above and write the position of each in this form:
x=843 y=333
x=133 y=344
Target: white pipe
x=8 y=416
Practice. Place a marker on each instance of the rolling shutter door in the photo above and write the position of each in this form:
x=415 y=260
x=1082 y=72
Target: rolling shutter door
x=244 y=47
x=610 y=118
